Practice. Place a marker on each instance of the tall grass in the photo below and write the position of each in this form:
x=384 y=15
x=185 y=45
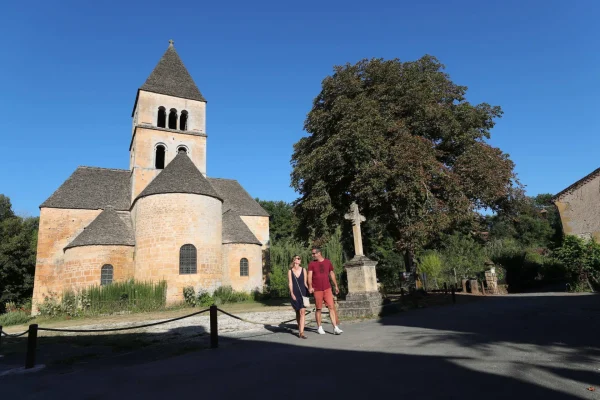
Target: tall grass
x=117 y=297
x=129 y=295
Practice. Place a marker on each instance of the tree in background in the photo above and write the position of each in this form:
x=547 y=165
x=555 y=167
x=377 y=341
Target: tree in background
x=401 y=140
x=18 y=246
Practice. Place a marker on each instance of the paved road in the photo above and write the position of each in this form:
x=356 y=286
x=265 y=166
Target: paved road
x=543 y=346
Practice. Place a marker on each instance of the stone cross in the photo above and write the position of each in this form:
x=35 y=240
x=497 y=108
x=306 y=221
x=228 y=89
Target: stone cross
x=356 y=219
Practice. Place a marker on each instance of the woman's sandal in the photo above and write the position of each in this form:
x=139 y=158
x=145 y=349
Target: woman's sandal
x=302 y=336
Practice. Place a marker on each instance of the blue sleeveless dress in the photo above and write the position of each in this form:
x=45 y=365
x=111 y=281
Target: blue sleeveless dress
x=298 y=291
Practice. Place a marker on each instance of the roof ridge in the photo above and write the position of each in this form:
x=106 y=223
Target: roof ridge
x=577 y=184
x=103 y=168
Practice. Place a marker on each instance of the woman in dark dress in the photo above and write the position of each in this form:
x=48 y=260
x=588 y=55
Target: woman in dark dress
x=298 y=288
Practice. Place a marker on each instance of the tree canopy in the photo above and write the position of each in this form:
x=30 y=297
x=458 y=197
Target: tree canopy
x=401 y=140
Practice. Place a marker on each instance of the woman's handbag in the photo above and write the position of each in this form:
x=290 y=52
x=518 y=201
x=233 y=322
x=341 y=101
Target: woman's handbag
x=305 y=300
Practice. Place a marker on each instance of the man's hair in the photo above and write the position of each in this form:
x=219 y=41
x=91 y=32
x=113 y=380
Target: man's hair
x=317 y=249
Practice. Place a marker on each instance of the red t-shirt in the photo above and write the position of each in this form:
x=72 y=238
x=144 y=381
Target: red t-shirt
x=320 y=274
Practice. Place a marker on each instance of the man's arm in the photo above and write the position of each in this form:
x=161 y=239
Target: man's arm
x=310 y=288
x=332 y=276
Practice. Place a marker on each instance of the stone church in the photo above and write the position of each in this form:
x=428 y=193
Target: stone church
x=161 y=219
x=578 y=207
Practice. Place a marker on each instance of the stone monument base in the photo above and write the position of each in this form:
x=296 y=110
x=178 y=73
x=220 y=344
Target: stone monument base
x=363 y=299
x=360 y=305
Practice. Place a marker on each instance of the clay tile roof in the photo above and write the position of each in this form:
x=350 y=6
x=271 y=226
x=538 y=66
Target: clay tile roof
x=180 y=176
x=170 y=77
x=236 y=198
x=577 y=184
x=236 y=231
x=109 y=228
x=92 y=188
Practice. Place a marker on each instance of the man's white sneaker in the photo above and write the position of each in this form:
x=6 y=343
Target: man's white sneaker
x=321 y=331
x=337 y=331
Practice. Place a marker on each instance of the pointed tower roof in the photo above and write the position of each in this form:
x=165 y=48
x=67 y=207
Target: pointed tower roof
x=180 y=176
x=170 y=77
x=235 y=230
x=109 y=228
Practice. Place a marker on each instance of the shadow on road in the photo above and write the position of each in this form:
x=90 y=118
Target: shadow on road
x=353 y=366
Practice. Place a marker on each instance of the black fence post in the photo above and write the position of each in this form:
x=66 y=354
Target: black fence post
x=402 y=295
x=446 y=288
x=214 y=328
x=0 y=336
x=31 y=346
x=453 y=295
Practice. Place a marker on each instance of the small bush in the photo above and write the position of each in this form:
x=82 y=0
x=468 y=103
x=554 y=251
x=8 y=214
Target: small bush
x=15 y=318
x=205 y=299
x=189 y=295
x=227 y=295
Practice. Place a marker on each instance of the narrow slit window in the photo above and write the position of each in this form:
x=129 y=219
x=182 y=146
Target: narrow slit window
x=244 y=270
x=187 y=259
x=106 y=275
x=159 y=161
x=173 y=119
x=183 y=121
x=162 y=118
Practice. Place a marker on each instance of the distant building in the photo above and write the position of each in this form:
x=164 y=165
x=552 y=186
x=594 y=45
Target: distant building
x=579 y=209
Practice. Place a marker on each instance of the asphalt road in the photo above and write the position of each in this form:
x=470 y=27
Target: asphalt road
x=532 y=346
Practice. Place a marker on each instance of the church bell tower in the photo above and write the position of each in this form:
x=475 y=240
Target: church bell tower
x=169 y=116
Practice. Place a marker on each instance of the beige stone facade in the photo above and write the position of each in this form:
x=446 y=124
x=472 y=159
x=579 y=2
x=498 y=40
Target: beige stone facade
x=579 y=207
x=158 y=220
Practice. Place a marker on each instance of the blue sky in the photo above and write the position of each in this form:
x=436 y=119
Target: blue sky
x=70 y=71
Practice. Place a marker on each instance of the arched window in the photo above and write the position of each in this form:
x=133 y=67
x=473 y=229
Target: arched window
x=183 y=121
x=159 y=157
x=161 y=121
x=106 y=274
x=187 y=259
x=181 y=149
x=244 y=267
x=173 y=119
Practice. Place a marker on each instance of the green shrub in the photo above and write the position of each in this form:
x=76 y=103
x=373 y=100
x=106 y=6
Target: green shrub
x=189 y=296
x=15 y=318
x=227 y=295
x=205 y=299
x=430 y=263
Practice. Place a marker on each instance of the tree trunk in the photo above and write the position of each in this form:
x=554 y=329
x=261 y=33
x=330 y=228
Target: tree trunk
x=408 y=260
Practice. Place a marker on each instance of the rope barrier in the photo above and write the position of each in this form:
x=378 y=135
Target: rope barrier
x=121 y=329
x=14 y=334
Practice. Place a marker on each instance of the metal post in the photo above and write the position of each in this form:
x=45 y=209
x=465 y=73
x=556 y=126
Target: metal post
x=453 y=295
x=446 y=288
x=31 y=345
x=402 y=295
x=0 y=336
x=214 y=329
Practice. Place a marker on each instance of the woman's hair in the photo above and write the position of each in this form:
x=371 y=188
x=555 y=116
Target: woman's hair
x=293 y=258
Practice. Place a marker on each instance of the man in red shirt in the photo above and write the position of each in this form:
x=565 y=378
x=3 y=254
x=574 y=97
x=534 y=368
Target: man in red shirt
x=319 y=272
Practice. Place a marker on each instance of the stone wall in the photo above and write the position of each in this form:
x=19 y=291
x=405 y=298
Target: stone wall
x=165 y=222
x=83 y=264
x=232 y=254
x=579 y=210
x=146 y=112
x=259 y=227
x=58 y=227
x=143 y=149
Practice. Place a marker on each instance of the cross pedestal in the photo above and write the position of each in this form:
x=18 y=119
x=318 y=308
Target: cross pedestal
x=363 y=299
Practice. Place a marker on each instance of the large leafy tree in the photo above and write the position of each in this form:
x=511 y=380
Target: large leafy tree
x=18 y=243
x=283 y=223
x=400 y=139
